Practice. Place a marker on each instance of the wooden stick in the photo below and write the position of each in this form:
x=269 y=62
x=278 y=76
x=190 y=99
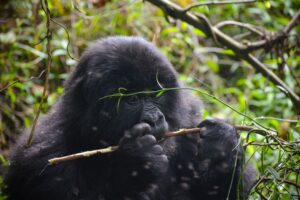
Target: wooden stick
x=82 y=155
x=110 y=149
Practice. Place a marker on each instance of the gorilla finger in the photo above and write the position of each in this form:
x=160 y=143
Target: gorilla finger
x=215 y=123
x=215 y=128
x=136 y=131
x=208 y=123
x=157 y=149
x=161 y=163
x=144 y=196
x=147 y=140
x=140 y=129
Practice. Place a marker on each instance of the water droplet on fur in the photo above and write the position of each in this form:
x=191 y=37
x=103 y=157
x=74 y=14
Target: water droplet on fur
x=134 y=173
x=179 y=166
x=95 y=128
x=190 y=166
x=185 y=186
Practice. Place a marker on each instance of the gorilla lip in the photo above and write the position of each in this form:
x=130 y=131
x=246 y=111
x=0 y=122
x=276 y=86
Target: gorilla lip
x=158 y=134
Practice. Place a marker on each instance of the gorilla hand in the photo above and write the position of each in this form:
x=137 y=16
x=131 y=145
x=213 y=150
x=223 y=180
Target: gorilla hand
x=140 y=159
x=218 y=145
x=138 y=144
x=218 y=159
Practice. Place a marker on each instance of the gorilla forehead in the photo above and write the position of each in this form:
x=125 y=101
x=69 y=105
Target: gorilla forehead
x=131 y=58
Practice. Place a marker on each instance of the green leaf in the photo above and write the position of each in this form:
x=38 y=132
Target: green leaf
x=121 y=90
x=228 y=52
x=298 y=124
x=213 y=65
x=160 y=93
x=267 y=4
x=274 y=172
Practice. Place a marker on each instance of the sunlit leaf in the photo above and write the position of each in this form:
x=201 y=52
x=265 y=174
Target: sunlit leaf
x=267 y=4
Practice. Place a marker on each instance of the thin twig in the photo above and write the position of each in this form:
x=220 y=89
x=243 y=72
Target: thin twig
x=44 y=4
x=250 y=27
x=275 y=37
x=82 y=155
x=68 y=38
x=180 y=132
x=120 y=94
x=22 y=81
x=294 y=22
x=216 y=3
x=277 y=119
x=263 y=178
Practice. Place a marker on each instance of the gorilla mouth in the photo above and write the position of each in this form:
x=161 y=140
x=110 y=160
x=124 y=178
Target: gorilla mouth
x=158 y=132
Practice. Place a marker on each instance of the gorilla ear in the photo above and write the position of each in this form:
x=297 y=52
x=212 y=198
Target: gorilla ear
x=76 y=79
x=74 y=84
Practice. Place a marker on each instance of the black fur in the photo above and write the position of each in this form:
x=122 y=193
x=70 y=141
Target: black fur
x=145 y=167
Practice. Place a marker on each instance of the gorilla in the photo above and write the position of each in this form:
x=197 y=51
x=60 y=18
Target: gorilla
x=208 y=165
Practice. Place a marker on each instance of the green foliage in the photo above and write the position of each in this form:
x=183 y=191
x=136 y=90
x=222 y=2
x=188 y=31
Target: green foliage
x=201 y=62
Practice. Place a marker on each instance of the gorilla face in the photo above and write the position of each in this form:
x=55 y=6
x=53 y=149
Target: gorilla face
x=128 y=65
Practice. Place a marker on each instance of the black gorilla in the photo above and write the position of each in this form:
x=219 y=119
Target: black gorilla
x=199 y=166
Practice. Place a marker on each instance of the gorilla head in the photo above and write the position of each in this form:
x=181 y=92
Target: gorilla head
x=200 y=166
x=128 y=65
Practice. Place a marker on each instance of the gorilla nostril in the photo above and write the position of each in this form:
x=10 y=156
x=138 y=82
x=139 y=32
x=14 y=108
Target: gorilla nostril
x=160 y=118
x=155 y=120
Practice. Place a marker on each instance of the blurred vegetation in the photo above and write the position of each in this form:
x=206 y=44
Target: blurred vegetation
x=201 y=63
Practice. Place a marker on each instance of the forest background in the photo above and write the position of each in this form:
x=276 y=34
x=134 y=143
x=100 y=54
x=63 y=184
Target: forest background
x=244 y=53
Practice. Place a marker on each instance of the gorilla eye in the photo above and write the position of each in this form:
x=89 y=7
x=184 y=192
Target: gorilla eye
x=133 y=99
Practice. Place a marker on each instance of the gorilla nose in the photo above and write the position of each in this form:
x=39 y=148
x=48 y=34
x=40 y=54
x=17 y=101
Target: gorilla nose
x=153 y=119
x=157 y=122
